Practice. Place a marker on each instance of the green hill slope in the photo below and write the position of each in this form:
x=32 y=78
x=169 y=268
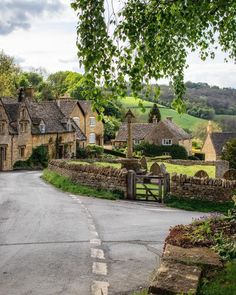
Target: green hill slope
x=185 y=121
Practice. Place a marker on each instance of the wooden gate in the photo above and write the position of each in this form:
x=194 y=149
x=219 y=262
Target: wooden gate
x=148 y=187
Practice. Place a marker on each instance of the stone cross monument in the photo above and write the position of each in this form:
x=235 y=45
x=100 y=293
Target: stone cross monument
x=129 y=116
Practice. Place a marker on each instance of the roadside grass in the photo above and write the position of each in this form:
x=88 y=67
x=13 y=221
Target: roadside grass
x=171 y=168
x=65 y=184
x=142 y=292
x=197 y=205
x=222 y=283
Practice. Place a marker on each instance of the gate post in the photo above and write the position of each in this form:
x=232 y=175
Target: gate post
x=131 y=185
x=166 y=184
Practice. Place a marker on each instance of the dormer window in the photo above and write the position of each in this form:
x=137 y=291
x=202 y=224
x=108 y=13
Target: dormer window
x=92 y=121
x=69 y=126
x=23 y=113
x=23 y=127
x=2 y=127
x=42 y=127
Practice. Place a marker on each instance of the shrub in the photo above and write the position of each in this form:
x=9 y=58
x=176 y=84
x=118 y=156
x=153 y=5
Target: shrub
x=91 y=151
x=38 y=159
x=175 y=151
x=229 y=153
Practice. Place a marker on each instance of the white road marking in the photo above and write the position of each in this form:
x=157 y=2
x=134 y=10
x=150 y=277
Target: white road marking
x=92 y=227
x=97 y=253
x=94 y=233
x=100 y=268
x=100 y=288
x=96 y=242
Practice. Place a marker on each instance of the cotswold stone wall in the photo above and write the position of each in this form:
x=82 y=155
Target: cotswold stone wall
x=99 y=177
x=205 y=189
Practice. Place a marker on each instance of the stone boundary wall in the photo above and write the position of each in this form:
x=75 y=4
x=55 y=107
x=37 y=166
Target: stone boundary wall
x=98 y=177
x=190 y=162
x=205 y=189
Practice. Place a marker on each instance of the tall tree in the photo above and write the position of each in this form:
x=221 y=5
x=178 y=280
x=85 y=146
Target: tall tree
x=8 y=75
x=229 y=153
x=151 y=39
x=154 y=114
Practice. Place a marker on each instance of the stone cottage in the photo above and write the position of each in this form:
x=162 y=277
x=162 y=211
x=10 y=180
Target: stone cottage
x=86 y=119
x=214 y=143
x=26 y=124
x=165 y=133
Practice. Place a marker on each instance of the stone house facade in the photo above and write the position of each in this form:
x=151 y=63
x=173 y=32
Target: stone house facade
x=164 y=133
x=25 y=124
x=86 y=119
x=214 y=143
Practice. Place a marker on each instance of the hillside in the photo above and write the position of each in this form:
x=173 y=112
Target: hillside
x=185 y=121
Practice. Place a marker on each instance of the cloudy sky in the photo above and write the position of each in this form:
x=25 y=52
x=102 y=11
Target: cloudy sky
x=42 y=33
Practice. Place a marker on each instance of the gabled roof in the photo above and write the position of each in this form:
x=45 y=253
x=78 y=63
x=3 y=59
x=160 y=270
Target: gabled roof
x=86 y=105
x=67 y=106
x=178 y=132
x=49 y=112
x=219 y=139
x=141 y=130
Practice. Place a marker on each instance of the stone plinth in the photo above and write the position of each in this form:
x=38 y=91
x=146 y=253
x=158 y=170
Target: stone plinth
x=130 y=164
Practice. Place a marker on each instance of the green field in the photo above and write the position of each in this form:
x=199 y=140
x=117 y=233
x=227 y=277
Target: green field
x=184 y=120
x=171 y=168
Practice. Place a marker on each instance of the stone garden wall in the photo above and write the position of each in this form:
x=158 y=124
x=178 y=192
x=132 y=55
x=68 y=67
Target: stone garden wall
x=206 y=189
x=98 y=177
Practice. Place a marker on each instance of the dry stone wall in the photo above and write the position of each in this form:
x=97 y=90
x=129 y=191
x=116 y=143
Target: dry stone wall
x=205 y=189
x=99 y=177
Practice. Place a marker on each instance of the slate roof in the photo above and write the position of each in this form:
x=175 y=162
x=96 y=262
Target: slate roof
x=47 y=111
x=178 y=132
x=141 y=130
x=219 y=139
x=67 y=106
x=85 y=105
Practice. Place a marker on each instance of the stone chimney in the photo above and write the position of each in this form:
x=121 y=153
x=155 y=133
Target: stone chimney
x=154 y=120
x=21 y=94
x=29 y=92
x=169 y=118
x=209 y=127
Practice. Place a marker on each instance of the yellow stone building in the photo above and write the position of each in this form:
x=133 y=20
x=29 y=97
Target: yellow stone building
x=26 y=124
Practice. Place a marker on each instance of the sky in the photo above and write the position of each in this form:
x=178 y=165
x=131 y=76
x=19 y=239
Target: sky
x=42 y=34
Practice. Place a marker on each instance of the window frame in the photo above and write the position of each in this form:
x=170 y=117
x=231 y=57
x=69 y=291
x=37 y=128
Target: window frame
x=92 y=121
x=167 y=142
x=90 y=134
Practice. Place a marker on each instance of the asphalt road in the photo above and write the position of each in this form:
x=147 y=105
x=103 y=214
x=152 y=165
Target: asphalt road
x=55 y=243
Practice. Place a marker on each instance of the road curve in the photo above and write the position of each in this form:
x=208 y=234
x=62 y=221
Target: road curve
x=56 y=243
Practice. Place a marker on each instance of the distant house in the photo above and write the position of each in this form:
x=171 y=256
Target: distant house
x=86 y=119
x=164 y=133
x=214 y=143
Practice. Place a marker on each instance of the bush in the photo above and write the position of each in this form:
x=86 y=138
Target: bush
x=91 y=151
x=115 y=153
x=150 y=150
x=200 y=156
x=38 y=159
x=229 y=153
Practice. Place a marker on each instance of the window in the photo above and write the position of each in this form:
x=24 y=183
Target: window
x=136 y=141
x=25 y=127
x=92 y=138
x=22 y=151
x=42 y=127
x=166 y=141
x=2 y=127
x=23 y=113
x=77 y=120
x=69 y=126
x=92 y=121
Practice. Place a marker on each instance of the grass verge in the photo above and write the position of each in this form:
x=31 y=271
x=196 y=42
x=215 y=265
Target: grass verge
x=222 y=283
x=65 y=184
x=196 y=205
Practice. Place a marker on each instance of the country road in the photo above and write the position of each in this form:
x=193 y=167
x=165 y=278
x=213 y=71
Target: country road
x=56 y=243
